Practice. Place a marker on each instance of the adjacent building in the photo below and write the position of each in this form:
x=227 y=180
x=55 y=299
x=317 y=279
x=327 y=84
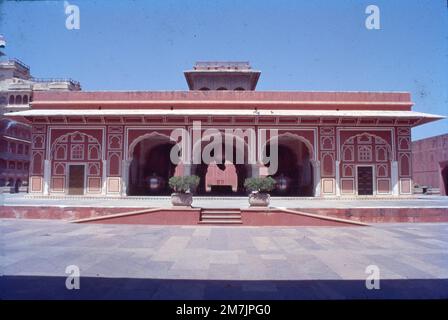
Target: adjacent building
x=16 y=93
x=329 y=144
x=430 y=157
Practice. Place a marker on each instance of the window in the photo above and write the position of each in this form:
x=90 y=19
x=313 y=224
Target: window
x=365 y=153
x=27 y=150
x=20 y=149
x=11 y=100
x=12 y=147
x=18 y=99
x=25 y=99
x=221 y=88
x=239 y=89
x=204 y=89
x=77 y=152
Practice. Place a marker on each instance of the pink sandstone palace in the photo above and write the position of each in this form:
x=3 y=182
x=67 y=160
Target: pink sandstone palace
x=330 y=144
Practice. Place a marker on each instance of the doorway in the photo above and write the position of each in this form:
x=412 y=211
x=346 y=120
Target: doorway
x=76 y=181
x=365 y=181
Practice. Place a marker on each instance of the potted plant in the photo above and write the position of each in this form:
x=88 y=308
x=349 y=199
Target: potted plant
x=259 y=187
x=183 y=187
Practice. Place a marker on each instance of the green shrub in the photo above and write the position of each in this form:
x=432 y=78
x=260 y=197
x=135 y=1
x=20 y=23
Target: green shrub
x=260 y=184
x=184 y=184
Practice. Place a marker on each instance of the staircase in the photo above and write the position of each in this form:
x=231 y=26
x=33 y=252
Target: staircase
x=221 y=216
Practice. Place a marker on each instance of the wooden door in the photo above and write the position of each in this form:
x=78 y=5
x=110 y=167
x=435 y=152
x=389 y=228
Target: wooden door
x=365 y=181
x=76 y=180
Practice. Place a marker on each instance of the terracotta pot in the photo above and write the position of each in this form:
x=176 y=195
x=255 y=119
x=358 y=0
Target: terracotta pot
x=181 y=199
x=259 y=199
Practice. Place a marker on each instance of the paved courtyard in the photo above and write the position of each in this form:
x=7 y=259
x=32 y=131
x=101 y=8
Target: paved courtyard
x=189 y=262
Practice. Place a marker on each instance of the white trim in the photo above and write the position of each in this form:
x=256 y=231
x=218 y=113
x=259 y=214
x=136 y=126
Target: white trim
x=390 y=129
x=227 y=112
x=394 y=179
x=315 y=147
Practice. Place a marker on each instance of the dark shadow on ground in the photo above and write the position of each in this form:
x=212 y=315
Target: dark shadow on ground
x=43 y=287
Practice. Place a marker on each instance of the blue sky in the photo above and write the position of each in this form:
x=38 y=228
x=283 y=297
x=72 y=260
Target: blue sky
x=298 y=45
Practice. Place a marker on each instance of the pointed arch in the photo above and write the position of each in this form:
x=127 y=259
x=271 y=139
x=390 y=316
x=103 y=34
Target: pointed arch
x=130 y=153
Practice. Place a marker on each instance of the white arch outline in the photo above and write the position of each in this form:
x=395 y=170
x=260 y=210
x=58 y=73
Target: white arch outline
x=389 y=148
x=130 y=153
x=304 y=140
x=58 y=140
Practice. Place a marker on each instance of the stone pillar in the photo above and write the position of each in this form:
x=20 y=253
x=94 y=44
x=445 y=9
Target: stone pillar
x=254 y=170
x=187 y=169
x=104 y=177
x=394 y=178
x=125 y=164
x=47 y=176
x=316 y=180
x=338 y=190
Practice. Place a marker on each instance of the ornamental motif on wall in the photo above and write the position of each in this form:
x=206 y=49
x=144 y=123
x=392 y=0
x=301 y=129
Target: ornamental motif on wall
x=60 y=152
x=38 y=141
x=404 y=143
x=94 y=169
x=59 y=168
x=404 y=131
x=115 y=141
x=348 y=170
x=382 y=170
x=327 y=131
x=327 y=143
x=76 y=146
x=364 y=153
x=405 y=164
x=114 y=163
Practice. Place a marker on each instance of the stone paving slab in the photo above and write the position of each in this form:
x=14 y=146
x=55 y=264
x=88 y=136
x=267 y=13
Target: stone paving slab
x=245 y=262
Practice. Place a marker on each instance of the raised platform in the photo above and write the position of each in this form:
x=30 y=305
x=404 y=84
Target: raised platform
x=211 y=211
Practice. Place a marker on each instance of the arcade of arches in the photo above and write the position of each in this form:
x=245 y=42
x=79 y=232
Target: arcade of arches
x=151 y=168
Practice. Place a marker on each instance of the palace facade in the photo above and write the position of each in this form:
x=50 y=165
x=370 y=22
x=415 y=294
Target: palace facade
x=329 y=144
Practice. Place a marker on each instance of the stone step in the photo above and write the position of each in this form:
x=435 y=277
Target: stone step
x=220 y=211
x=225 y=221
x=220 y=216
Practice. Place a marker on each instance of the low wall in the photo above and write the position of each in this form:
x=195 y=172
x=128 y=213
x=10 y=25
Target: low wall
x=280 y=218
x=64 y=213
x=250 y=217
x=159 y=217
x=382 y=215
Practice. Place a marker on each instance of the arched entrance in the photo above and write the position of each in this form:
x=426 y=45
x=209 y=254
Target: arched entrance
x=223 y=176
x=151 y=167
x=295 y=173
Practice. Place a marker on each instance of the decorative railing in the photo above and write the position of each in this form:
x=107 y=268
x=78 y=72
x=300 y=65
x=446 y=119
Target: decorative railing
x=47 y=80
